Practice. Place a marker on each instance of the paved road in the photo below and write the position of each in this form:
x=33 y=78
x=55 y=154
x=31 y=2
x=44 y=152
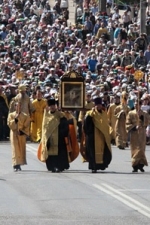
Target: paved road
x=35 y=196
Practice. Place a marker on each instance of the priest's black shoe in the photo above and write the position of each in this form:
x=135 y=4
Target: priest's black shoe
x=57 y=170
x=94 y=171
x=121 y=147
x=53 y=170
x=19 y=168
x=15 y=168
x=135 y=169
x=141 y=168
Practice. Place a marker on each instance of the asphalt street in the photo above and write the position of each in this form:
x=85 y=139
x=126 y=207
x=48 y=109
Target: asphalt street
x=35 y=196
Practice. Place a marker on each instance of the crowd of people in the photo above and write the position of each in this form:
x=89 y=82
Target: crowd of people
x=38 y=45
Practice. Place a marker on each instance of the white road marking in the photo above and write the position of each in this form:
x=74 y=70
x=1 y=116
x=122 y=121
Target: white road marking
x=127 y=197
x=115 y=194
x=130 y=202
x=137 y=190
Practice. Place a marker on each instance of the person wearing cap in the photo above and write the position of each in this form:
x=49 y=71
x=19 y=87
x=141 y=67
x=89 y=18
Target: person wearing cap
x=136 y=122
x=140 y=60
x=39 y=105
x=111 y=115
x=22 y=96
x=121 y=112
x=55 y=131
x=141 y=42
x=98 y=141
x=19 y=123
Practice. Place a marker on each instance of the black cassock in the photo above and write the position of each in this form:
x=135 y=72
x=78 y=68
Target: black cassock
x=4 y=130
x=90 y=146
x=60 y=161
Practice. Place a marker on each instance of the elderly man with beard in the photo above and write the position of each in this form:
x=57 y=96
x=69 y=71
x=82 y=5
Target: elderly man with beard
x=18 y=123
x=22 y=97
x=111 y=115
x=98 y=141
x=136 y=122
x=121 y=112
x=53 y=147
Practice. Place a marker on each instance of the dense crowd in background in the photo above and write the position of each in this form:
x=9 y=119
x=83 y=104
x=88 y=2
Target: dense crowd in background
x=38 y=44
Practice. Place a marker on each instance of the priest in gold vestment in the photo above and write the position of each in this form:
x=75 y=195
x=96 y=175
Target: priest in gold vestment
x=121 y=112
x=136 y=123
x=18 y=123
x=53 y=145
x=39 y=105
x=22 y=97
x=97 y=135
x=111 y=115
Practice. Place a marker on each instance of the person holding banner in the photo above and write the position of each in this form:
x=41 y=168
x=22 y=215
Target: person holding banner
x=136 y=122
x=53 y=146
